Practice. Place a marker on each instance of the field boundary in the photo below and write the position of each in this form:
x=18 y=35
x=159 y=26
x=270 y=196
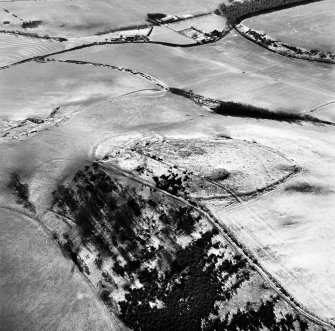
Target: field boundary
x=236 y=11
x=213 y=105
x=101 y=43
x=281 y=48
x=133 y=72
x=32 y=35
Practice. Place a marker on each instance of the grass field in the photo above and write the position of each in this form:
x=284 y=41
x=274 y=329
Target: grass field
x=163 y=34
x=82 y=17
x=234 y=69
x=263 y=78
x=49 y=155
x=40 y=289
x=43 y=161
x=60 y=84
x=249 y=167
x=206 y=24
x=46 y=158
x=309 y=26
x=291 y=230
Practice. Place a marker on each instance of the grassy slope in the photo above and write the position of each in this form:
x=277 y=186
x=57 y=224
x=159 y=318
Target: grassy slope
x=68 y=84
x=39 y=288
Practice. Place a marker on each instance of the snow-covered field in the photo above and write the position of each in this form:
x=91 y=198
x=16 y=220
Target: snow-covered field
x=84 y=18
x=233 y=69
x=276 y=178
x=15 y=48
x=291 y=230
x=309 y=26
x=39 y=287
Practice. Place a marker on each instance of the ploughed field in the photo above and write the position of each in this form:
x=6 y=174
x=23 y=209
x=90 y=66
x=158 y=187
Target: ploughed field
x=309 y=25
x=14 y=48
x=127 y=205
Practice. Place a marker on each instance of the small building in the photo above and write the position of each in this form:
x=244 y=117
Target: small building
x=185 y=16
x=168 y=19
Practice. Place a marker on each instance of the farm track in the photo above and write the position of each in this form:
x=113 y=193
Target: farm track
x=246 y=204
x=230 y=238
x=250 y=195
x=253 y=195
x=321 y=106
x=236 y=195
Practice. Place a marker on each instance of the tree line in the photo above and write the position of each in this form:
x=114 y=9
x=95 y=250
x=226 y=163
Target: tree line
x=235 y=11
